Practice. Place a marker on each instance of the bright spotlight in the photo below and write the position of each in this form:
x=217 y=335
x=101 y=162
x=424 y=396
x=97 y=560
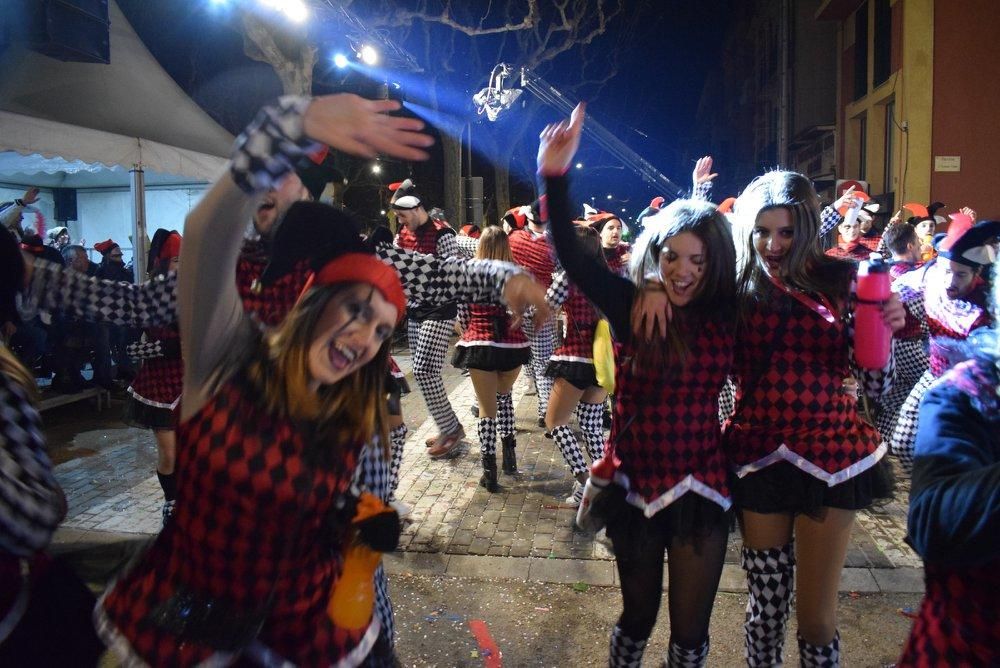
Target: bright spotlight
x=294 y=10
x=382 y=212
x=579 y=165
x=609 y=197
x=340 y=60
x=368 y=55
x=376 y=169
x=219 y=3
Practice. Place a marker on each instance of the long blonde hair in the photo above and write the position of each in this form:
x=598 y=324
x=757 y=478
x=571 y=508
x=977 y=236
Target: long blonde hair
x=493 y=245
x=351 y=411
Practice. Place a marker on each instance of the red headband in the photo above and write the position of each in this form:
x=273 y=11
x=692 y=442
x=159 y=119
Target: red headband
x=362 y=268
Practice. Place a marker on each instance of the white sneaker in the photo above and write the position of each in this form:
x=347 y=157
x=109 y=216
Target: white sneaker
x=576 y=497
x=602 y=538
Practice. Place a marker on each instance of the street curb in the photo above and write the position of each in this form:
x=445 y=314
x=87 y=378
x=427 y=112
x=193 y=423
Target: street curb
x=601 y=573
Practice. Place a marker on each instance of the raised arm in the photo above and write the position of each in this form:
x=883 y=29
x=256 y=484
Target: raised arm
x=209 y=309
x=609 y=292
x=54 y=288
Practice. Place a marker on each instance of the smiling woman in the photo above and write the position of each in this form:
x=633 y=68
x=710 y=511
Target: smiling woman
x=271 y=425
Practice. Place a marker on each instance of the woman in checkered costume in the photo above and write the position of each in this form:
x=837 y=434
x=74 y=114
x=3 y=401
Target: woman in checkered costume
x=156 y=389
x=571 y=367
x=955 y=511
x=804 y=460
x=271 y=426
x=493 y=349
x=671 y=489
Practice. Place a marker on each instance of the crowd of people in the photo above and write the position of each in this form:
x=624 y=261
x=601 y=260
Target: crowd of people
x=736 y=396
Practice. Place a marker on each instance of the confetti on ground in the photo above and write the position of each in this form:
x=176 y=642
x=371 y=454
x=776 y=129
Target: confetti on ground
x=542 y=609
x=580 y=586
x=487 y=646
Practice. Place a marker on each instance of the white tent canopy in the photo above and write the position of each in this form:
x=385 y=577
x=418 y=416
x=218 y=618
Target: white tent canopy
x=86 y=125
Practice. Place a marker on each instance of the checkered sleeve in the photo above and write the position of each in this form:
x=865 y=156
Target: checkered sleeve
x=447 y=246
x=55 y=288
x=829 y=218
x=466 y=245
x=444 y=280
x=874 y=383
x=702 y=191
x=269 y=148
x=147 y=349
x=558 y=292
x=31 y=502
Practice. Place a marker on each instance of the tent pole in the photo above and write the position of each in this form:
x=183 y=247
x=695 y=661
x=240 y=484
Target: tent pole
x=137 y=187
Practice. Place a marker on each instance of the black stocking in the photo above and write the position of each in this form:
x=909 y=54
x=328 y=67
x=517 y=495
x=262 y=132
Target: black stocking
x=694 y=570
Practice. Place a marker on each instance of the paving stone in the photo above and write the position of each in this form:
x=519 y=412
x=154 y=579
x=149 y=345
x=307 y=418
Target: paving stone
x=900 y=580
x=509 y=568
x=568 y=571
x=415 y=563
x=859 y=580
x=520 y=547
x=479 y=546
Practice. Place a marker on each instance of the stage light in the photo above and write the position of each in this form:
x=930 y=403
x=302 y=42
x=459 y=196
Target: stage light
x=382 y=212
x=579 y=165
x=376 y=168
x=340 y=60
x=623 y=210
x=493 y=99
x=294 y=10
x=368 y=55
x=609 y=197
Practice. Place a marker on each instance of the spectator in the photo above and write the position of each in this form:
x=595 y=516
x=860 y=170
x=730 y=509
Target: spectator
x=10 y=212
x=58 y=238
x=75 y=257
x=112 y=267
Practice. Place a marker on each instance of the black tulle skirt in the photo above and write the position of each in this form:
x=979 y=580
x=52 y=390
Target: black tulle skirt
x=142 y=415
x=580 y=375
x=489 y=358
x=688 y=519
x=785 y=488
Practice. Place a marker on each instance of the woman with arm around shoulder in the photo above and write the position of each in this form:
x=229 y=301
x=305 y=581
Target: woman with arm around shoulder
x=804 y=459
x=670 y=490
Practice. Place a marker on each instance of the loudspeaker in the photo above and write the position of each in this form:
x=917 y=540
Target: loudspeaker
x=472 y=200
x=65 y=204
x=71 y=30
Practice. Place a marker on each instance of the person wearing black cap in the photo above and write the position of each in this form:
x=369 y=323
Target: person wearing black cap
x=949 y=297
x=429 y=327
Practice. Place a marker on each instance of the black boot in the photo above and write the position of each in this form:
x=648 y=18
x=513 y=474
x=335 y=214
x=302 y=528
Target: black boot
x=489 y=479
x=509 y=451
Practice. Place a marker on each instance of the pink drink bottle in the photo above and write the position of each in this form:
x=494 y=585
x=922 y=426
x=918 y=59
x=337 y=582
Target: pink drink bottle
x=872 y=336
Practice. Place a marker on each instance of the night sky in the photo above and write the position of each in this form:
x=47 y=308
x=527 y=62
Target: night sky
x=662 y=58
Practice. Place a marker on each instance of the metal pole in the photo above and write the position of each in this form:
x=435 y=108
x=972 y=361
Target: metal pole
x=137 y=187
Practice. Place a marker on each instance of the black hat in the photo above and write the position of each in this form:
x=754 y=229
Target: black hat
x=313 y=232
x=966 y=243
x=317 y=170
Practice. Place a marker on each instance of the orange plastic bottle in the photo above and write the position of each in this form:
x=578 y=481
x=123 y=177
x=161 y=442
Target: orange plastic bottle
x=352 y=600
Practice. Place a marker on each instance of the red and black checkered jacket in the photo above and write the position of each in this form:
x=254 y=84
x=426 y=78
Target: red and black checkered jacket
x=533 y=252
x=665 y=426
x=489 y=325
x=616 y=258
x=270 y=304
x=254 y=522
x=791 y=404
x=581 y=321
x=160 y=380
x=952 y=320
x=437 y=238
x=859 y=251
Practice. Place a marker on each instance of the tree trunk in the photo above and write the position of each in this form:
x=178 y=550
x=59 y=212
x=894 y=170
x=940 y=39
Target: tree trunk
x=453 y=206
x=287 y=51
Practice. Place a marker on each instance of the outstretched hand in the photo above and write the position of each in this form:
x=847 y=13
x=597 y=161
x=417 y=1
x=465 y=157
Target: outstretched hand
x=703 y=170
x=352 y=124
x=30 y=195
x=651 y=312
x=558 y=143
x=522 y=291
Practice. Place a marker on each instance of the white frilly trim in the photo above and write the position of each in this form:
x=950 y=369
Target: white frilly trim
x=571 y=358
x=800 y=462
x=688 y=484
x=149 y=402
x=494 y=344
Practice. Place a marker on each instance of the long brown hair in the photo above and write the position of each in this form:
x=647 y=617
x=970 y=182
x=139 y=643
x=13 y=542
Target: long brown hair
x=11 y=367
x=351 y=411
x=807 y=267
x=716 y=297
x=493 y=245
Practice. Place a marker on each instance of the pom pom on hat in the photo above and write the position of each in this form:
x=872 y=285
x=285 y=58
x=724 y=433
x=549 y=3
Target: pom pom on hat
x=405 y=195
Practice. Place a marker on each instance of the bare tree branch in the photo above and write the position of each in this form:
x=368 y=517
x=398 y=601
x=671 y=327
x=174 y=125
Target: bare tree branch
x=404 y=17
